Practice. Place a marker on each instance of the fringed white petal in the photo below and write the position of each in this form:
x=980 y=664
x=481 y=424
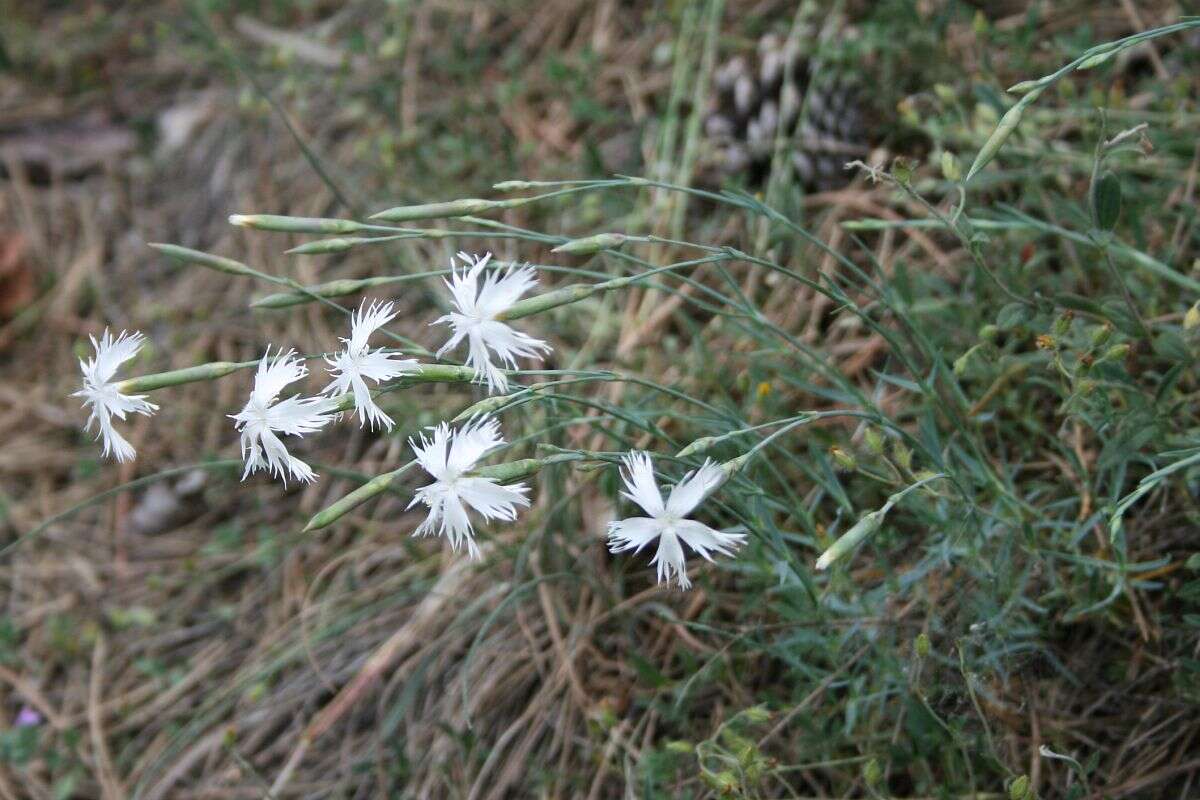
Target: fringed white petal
x=262 y=417
x=633 y=533
x=101 y=395
x=475 y=319
x=666 y=522
x=366 y=321
x=446 y=455
x=639 y=483
x=472 y=442
x=706 y=541
x=694 y=487
x=491 y=499
x=670 y=560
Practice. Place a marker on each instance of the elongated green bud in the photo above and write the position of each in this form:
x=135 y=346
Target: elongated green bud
x=430 y=373
x=442 y=373
x=734 y=465
x=1096 y=60
x=543 y=302
x=1023 y=87
x=190 y=256
x=569 y=294
x=339 y=508
x=331 y=289
x=1008 y=123
x=275 y=222
x=515 y=470
x=342 y=244
x=453 y=208
x=852 y=538
x=496 y=403
x=200 y=372
x=591 y=244
x=699 y=446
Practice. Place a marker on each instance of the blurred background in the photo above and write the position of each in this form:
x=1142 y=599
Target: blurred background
x=181 y=638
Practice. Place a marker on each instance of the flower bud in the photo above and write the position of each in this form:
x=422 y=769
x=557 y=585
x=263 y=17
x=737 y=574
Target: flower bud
x=951 y=169
x=866 y=526
x=1101 y=335
x=874 y=441
x=1192 y=318
x=591 y=244
x=1022 y=87
x=922 y=645
x=844 y=459
x=698 y=446
x=1019 y=789
x=757 y=714
x=342 y=244
x=275 y=222
x=872 y=773
x=190 y=256
x=962 y=362
x=1117 y=352
x=453 y=208
x=1063 y=323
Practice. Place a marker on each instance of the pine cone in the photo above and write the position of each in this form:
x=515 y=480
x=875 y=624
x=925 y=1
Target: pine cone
x=776 y=93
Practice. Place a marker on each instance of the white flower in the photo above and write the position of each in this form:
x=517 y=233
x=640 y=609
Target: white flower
x=666 y=521
x=100 y=392
x=352 y=365
x=476 y=320
x=262 y=417
x=447 y=456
